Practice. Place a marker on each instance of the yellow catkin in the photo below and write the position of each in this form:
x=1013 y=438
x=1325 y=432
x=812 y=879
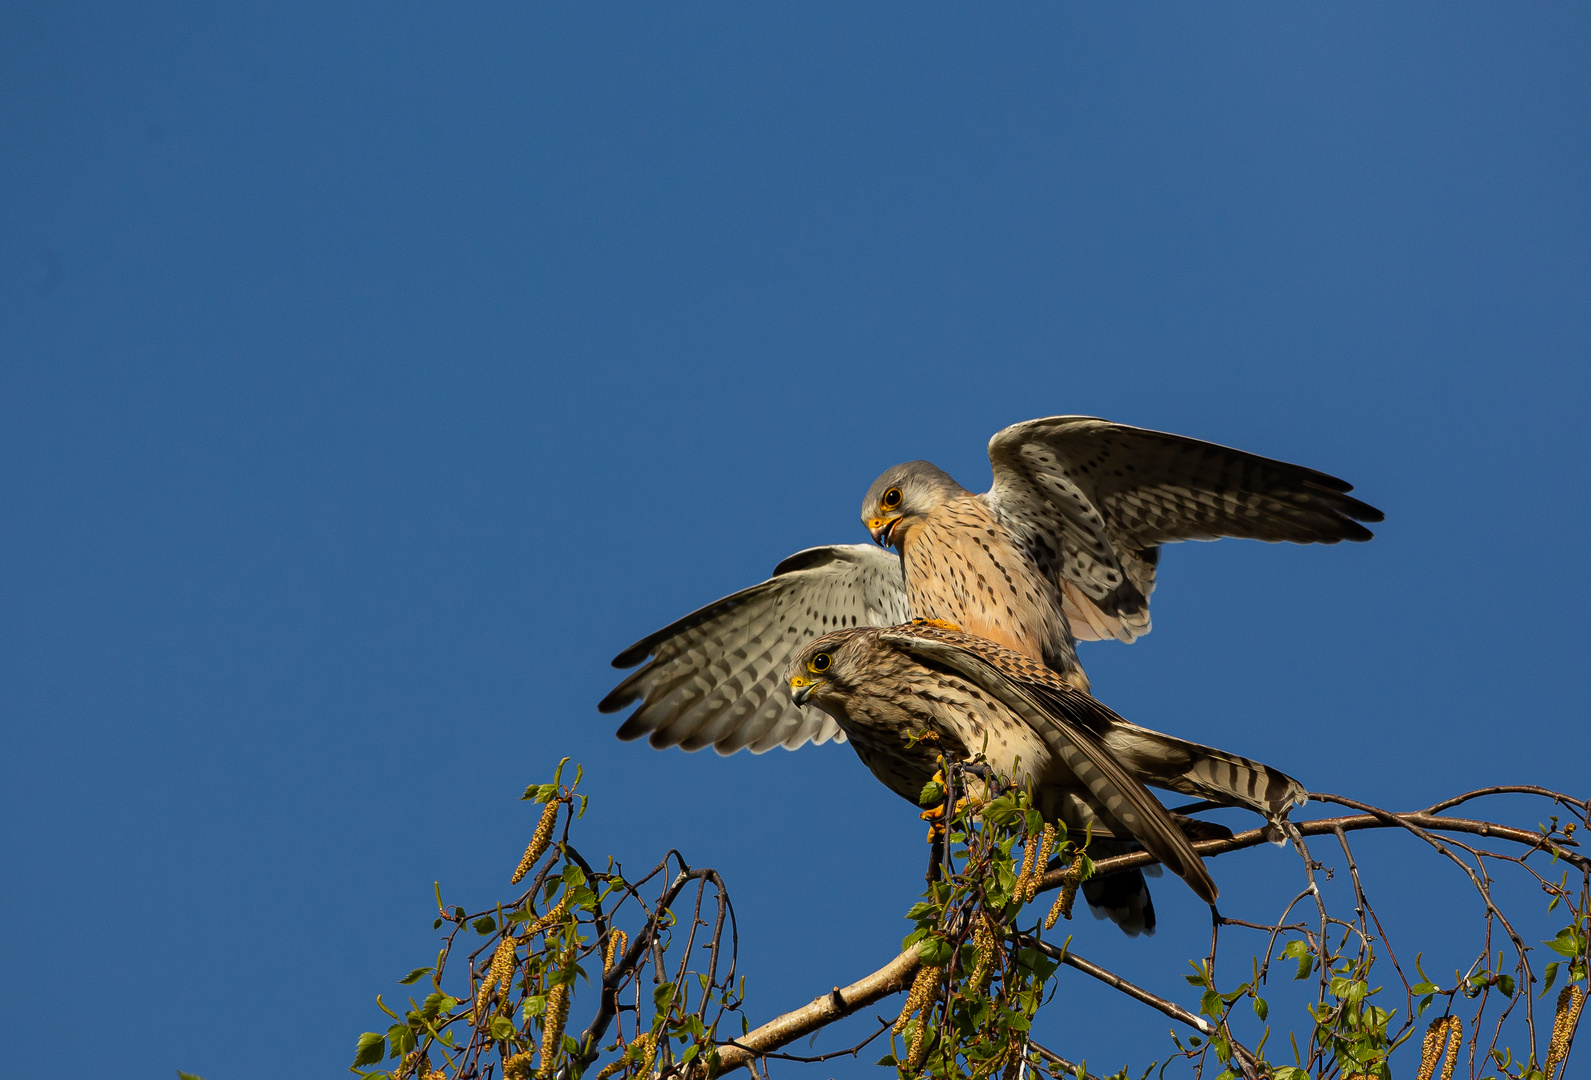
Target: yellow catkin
x=1571 y=999
x=617 y=943
x=501 y=971
x=1029 y=849
x=917 y=1052
x=553 y=1019
x=924 y=984
x=1029 y=885
x=1068 y=896
x=517 y=1067
x=539 y=841
x=1445 y=1031
x=645 y=1062
x=650 y=1054
x=436 y=1074
x=549 y=920
x=984 y=945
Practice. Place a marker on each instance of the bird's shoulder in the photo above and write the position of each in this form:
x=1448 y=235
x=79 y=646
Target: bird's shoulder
x=1014 y=665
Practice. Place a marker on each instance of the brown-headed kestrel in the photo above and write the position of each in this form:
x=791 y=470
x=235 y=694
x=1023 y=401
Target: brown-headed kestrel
x=1063 y=546
x=1084 y=765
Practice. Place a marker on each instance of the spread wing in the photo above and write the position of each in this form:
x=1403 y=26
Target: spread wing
x=1071 y=724
x=1091 y=501
x=713 y=677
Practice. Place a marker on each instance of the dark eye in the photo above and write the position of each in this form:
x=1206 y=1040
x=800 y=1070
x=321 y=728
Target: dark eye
x=820 y=662
x=891 y=498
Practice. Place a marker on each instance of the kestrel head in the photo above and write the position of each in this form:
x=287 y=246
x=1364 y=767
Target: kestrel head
x=903 y=493
x=828 y=667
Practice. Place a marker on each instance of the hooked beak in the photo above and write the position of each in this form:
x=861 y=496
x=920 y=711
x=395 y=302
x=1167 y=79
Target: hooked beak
x=882 y=530
x=800 y=689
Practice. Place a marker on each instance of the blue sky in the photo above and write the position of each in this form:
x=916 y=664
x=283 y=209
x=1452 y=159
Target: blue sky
x=370 y=374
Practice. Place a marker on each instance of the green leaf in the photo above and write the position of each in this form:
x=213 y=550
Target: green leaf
x=1567 y=943
x=1552 y=975
x=1306 y=962
x=1210 y=1005
x=414 y=976
x=1001 y=811
x=1261 y=1009
x=933 y=794
x=372 y=1047
x=187 y=1076
x=485 y=925
x=502 y=1028
x=1505 y=983
x=935 y=950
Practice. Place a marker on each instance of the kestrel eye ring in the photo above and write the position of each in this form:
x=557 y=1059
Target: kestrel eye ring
x=819 y=662
x=891 y=498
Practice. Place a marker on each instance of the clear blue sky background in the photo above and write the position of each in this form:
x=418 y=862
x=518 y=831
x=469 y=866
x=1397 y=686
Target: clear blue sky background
x=371 y=373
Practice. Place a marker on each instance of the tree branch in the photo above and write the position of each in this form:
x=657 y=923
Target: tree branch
x=892 y=978
x=1255 y=837
x=897 y=974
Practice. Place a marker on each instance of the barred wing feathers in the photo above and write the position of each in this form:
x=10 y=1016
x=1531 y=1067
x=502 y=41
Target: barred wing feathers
x=1092 y=501
x=713 y=677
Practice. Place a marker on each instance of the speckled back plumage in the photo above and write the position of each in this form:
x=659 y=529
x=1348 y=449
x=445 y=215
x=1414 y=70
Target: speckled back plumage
x=1085 y=765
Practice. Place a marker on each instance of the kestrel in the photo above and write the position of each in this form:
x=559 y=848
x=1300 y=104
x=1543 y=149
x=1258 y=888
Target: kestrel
x=1063 y=546
x=1084 y=765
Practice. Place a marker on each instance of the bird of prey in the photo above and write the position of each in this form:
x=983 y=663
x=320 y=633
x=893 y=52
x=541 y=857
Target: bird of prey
x=1084 y=765
x=1063 y=546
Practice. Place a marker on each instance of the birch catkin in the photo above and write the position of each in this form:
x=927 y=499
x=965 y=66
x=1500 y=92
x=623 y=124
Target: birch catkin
x=1068 y=897
x=1030 y=878
x=501 y=971
x=925 y=983
x=1445 y=1031
x=1571 y=999
x=617 y=942
x=549 y=920
x=540 y=840
x=553 y=1020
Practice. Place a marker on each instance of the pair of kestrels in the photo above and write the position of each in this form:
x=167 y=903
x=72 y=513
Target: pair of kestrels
x=963 y=622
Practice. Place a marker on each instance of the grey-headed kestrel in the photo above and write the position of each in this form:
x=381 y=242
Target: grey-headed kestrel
x=1084 y=765
x=1063 y=546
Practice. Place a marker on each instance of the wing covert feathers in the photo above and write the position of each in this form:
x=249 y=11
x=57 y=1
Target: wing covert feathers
x=1071 y=725
x=712 y=678
x=1091 y=501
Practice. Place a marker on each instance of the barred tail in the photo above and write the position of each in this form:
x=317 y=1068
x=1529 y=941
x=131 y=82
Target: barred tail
x=1205 y=772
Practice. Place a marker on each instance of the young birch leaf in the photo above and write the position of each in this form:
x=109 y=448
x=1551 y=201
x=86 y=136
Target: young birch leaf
x=372 y=1047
